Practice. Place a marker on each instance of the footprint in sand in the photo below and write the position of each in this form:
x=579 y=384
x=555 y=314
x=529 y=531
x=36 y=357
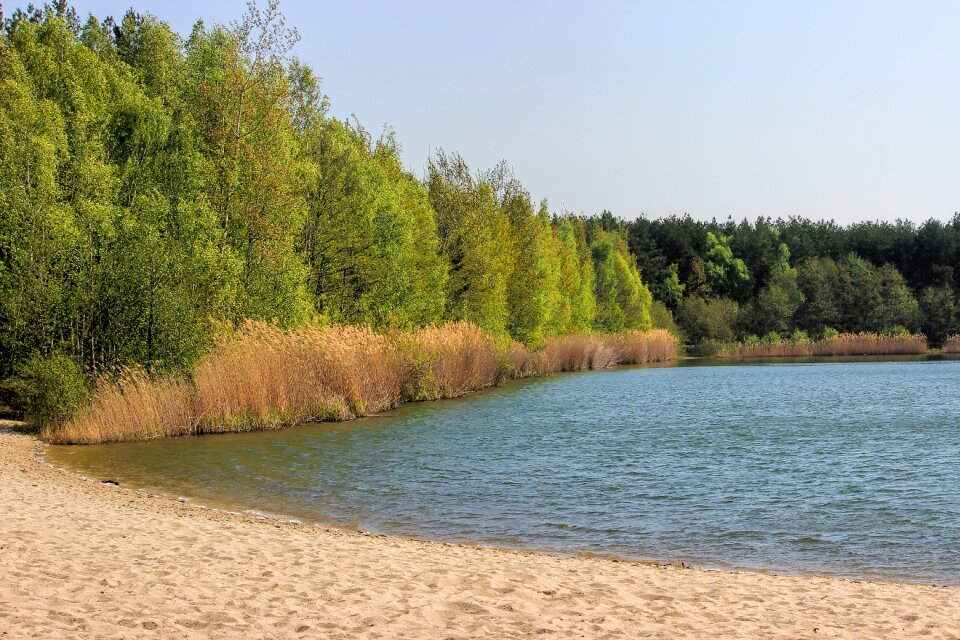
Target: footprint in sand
x=467 y=607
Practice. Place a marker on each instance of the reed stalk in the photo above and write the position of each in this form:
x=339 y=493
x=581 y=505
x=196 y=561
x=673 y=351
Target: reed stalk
x=951 y=344
x=263 y=377
x=845 y=344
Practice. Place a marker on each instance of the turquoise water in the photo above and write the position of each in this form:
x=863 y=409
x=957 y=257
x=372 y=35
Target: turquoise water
x=849 y=469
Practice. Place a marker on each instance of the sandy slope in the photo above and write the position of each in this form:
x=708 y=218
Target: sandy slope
x=82 y=560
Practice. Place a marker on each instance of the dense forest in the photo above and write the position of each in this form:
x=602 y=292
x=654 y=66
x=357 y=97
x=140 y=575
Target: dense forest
x=155 y=189
x=740 y=280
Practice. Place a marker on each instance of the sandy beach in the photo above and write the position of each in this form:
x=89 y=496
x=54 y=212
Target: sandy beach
x=79 y=559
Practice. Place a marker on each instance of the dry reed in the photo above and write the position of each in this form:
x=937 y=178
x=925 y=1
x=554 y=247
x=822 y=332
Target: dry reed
x=641 y=347
x=132 y=407
x=951 y=344
x=267 y=377
x=448 y=361
x=584 y=352
x=845 y=344
x=264 y=377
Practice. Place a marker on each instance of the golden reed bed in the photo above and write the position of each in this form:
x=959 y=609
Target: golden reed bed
x=845 y=344
x=264 y=377
x=951 y=345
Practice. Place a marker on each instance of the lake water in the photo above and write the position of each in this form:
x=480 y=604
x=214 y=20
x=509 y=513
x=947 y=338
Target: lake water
x=849 y=469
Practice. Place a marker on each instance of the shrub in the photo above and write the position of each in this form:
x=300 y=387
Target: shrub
x=829 y=333
x=709 y=349
x=771 y=338
x=708 y=319
x=662 y=318
x=799 y=336
x=52 y=389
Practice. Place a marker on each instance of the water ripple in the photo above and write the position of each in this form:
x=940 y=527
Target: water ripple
x=841 y=468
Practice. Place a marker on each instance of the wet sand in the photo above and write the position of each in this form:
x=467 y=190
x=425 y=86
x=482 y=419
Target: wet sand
x=80 y=559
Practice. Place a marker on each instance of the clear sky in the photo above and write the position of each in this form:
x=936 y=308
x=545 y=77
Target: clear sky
x=839 y=109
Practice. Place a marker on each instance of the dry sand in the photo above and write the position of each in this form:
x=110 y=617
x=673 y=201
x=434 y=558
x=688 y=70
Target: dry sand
x=82 y=560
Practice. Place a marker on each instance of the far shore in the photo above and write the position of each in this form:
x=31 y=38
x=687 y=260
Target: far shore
x=81 y=559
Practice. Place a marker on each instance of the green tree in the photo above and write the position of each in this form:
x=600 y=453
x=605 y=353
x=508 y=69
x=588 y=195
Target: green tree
x=51 y=388
x=671 y=290
x=860 y=296
x=609 y=315
x=696 y=283
x=370 y=238
x=474 y=236
x=775 y=306
x=252 y=172
x=819 y=281
x=938 y=306
x=726 y=275
x=662 y=318
x=532 y=288
x=39 y=238
x=575 y=305
x=708 y=319
x=899 y=307
x=633 y=296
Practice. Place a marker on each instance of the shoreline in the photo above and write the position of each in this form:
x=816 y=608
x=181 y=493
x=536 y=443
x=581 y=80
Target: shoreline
x=82 y=559
x=236 y=509
x=678 y=360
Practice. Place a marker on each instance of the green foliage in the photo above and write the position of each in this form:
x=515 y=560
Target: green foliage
x=475 y=239
x=898 y=306
x=584 y=303
x=532 y=291
x=662 y=318
x=51 y=388
x=671 y=291
x=154 y=188
x=632 y=295
x=846 y=275
x=610 y=316
x=250 y=167
x=772 y=338
x=697 y=280
x=819 y=281
x=574 y=306
x=623 y=301
x=775 y=305
x=370 y=238
x=708 y=319
x=726 y=274
x=938 y=306
x=799 y=336
x=854 y=295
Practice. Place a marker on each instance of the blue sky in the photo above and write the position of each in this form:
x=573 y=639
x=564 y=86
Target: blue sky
x=843 y=109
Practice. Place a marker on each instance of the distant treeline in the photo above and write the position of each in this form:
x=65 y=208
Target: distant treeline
x=739 y=280
x=157 y=191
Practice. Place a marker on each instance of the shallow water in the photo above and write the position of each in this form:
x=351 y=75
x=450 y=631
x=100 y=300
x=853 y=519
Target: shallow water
x=849 y=469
